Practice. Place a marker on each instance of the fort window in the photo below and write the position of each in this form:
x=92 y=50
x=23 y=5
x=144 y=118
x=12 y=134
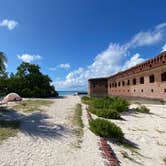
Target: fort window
x=151 y=79
x=123 y=83
x=106 y=86
x=118 y=83
x=134 y=81
x=115 y=84
x=134 y=90
x=164 y=90
x=142 y=80
x=110 y=85
x=163 y=76
x=128 y=90
x=94 y=85
x=142 y=90
x=128 y=82
x=152 y=90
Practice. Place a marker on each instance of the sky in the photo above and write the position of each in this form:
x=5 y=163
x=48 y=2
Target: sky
x=74 y=40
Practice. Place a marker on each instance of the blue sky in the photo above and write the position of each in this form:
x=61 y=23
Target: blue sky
x=80 y=39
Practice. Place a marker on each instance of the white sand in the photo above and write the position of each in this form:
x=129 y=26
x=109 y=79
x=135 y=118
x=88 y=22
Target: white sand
x=47 y=138
x=148 y=131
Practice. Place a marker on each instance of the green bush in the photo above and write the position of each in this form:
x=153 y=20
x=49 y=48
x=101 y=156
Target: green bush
x=86 y=99
x=105 y=113
x=119 y=104
x=115 y=103
x=143 y=109
x=106 y=129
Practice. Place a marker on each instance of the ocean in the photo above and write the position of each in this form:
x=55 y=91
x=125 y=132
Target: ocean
x=67 y=93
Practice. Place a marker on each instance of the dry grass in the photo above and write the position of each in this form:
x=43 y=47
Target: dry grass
x=32 y=105
x=164 y=159
x=78 y=123
x=8 y=128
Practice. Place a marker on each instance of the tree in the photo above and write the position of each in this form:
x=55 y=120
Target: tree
x=30 y=82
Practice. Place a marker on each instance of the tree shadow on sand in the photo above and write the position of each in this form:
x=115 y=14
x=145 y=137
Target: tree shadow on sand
x=36 y=124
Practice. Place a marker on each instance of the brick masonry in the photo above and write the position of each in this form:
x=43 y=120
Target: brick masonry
x=146 y=80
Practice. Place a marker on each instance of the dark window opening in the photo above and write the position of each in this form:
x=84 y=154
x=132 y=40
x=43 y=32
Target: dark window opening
x=123 y=83
x=134 y=90
x=128 y=82
x=118 y=83
x=128 y=90
x=164 y=90
x=115 y=84
x=110 y=85
x=142 y=90
x=152 y=90
x=142 y=80
x=94 y=85
x=163 y=76
x=151 y=79
x=134 y=81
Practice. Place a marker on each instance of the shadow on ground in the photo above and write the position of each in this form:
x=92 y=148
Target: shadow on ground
x=36 y=124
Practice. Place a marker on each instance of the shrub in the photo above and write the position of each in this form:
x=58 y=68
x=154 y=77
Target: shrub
x=143 y=109
x=85 y=99
x=105 y=113
x=119 y=104
x=115 y=103
x=106 y=129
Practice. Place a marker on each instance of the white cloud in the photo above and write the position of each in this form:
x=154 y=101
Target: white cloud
x=52 y=68
x=10 y=24
x=65 y=66
x=112 y=60
x=163 y=48
x=134 y=60
x=29 y=58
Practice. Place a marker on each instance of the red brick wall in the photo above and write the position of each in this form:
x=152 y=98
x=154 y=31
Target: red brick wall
x=156 y=90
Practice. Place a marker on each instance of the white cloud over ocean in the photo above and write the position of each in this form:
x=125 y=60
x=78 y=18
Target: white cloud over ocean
x=29 y=58
x=113 y=59
x=9 y=24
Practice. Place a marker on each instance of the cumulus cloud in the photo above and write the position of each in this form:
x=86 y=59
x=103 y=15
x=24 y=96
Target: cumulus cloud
x=163 y=48
x=9 y=24
x=113 y=59
x=29 y=58
x=64 y=66
x=134 y=60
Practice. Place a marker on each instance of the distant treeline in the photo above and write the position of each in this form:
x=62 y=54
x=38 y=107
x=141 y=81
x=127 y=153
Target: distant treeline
x=28 y=81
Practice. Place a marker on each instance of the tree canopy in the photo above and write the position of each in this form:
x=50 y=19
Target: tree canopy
x=29 y=82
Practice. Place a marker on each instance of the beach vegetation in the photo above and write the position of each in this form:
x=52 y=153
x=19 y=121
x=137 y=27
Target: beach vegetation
x=8 y=128
x=28 y=82
x=105 y=128
x=31 y=105
x=78 y=123
x=142 y=109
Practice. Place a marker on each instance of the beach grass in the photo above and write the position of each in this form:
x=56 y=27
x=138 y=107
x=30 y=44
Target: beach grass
x=32 y=105
x=8 y=128
x=78 y=123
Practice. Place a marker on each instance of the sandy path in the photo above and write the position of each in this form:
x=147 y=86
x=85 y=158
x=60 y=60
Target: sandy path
x=46 y=139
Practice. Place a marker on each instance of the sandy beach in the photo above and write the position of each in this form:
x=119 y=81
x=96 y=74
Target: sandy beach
x=47 y=139
x=148 y=133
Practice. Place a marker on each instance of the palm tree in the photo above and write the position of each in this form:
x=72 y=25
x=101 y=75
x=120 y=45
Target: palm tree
x=3 y=60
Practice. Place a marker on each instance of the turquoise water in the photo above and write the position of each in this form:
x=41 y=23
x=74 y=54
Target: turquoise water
x=66 y=93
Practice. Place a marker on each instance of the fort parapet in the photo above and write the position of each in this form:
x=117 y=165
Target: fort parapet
x=146 y=80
